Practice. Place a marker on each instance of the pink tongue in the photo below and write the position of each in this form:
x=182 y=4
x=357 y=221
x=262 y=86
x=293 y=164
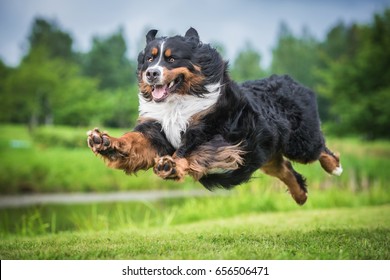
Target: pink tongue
x=159 y=91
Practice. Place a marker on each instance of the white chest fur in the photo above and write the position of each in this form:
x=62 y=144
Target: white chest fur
x=175 y=112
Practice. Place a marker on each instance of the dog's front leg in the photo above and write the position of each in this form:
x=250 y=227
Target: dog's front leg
x=131 y=152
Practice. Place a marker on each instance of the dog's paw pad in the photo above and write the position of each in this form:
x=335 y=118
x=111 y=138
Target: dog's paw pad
x=98 y=141
x=165 y=168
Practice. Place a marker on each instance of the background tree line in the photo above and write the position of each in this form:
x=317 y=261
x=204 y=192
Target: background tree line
x=54 y=84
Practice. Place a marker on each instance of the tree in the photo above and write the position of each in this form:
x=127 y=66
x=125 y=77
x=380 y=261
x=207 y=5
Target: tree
x=49 y=87
x=5 y=98
x=337 y=42
x=299 y=57
x=247 y=66
x=48 y=34
x=296 y=56
x=30 y=90
x=107 y=62
x=358 y=77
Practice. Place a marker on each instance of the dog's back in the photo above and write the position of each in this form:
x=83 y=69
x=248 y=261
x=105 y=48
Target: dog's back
x=292 y=108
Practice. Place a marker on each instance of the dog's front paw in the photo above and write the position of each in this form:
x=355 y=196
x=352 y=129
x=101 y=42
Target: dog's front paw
x=99 y=142
x=167 y=167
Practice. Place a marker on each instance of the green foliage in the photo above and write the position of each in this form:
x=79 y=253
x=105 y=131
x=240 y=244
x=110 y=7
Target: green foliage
x=30 y=89
x=295 y=56
x=48 y=34
x=63 y=137
x=349 y=69
x=299 y=58
x=53 y=85
x=119 y=109
x=357 y=77
x=107 y=62
x=46 y=90
x=247 y=66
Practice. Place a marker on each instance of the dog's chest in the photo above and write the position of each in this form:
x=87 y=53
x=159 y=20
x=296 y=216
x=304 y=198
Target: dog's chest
x=175 y=113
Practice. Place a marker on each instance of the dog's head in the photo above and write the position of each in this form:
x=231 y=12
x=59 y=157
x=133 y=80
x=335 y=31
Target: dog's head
x=172 y=66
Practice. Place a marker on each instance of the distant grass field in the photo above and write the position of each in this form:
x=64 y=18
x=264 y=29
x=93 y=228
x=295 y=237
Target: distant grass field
x=362 y=233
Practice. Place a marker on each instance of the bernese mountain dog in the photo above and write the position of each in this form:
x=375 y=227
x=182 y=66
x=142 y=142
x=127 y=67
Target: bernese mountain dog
x=194 y=119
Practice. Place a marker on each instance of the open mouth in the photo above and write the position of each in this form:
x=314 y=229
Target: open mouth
x=161 y=92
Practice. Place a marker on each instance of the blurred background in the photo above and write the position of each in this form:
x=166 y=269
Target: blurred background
x=69 y=66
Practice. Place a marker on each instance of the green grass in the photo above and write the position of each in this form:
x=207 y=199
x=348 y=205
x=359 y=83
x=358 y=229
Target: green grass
x=362 y=233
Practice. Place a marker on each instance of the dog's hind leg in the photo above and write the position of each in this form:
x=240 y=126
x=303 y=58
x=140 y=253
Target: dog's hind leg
x=282 y=169
x=330 y=162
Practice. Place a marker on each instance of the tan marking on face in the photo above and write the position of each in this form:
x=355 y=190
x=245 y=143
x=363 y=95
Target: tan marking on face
x=154 y=51
x=168 y=53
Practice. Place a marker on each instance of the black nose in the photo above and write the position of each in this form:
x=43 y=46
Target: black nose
x=153 y=74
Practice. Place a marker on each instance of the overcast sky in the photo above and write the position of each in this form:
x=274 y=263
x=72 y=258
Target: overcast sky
x=231 y=22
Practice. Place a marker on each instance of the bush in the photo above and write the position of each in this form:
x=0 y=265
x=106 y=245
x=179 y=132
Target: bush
x=60 y=137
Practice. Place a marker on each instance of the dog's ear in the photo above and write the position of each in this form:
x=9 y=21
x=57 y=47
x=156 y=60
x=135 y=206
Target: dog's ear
x=151 y=35
x=192 y=34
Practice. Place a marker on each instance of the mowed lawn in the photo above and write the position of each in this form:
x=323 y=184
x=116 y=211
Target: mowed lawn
x=338 y=233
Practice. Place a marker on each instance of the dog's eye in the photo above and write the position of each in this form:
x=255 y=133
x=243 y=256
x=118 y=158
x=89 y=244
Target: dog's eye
x=150 y=59
x=171 y=59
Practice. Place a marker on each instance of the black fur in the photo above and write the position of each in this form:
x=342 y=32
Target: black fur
x=154 y=132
